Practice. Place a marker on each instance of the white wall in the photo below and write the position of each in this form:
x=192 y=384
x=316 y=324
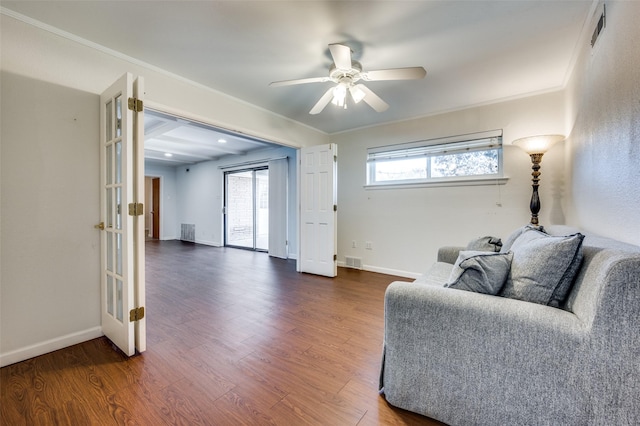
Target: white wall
x=604 y=148
x=200 y=193
x=406 y=226
x=50 y=282
x=168 y=199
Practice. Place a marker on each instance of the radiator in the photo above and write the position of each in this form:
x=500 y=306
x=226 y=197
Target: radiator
x=188 y=232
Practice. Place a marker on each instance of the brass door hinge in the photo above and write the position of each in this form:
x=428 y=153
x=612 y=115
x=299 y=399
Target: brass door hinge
x=136 y=314
x=335 y=257
x=335 y=207
x=136 y=209
x=136 y=104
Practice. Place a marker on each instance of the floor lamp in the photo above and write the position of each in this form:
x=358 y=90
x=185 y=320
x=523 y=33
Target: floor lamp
x=536 y=146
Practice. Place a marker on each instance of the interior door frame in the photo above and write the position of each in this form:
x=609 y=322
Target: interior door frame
x=207 y=121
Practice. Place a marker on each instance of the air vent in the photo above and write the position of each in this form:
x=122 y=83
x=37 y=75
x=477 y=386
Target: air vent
x=602 y=22
x=353 y=262
x=188 y=232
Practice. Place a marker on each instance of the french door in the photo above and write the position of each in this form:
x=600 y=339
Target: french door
x=122 y=227
x=247 y=208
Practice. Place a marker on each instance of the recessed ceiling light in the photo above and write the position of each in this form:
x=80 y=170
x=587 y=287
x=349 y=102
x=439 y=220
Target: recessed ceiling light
x=222 y=140
x=168 y=154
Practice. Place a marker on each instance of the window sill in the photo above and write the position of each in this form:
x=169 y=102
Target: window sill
x=441 y=183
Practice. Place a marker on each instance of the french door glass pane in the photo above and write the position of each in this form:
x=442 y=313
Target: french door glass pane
x=119 y=207
x=118 y=162
x=119 y=254
x=110 y=294
x=109 y=237
x=109 y=200
x=119 y=304
x=109 y=162
x=119 y=116
x=109 y=120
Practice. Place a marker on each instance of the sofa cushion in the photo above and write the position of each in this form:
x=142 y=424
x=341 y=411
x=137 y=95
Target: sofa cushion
x=543 y=267
x=485 y=244
x=480 y=271
x=438 y=274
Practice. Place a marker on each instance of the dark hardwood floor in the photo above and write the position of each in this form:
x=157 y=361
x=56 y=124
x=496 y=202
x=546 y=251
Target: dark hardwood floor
x=234 y=338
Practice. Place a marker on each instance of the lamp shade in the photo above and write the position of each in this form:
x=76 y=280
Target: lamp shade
x=538 y=144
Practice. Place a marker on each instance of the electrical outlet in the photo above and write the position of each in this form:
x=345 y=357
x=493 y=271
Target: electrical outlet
x=368 y=245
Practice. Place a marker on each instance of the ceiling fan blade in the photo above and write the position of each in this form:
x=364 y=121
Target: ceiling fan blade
x=372 y=99
x=411 y=73
x=341 y=56
x=299 y=81
x=323 y=102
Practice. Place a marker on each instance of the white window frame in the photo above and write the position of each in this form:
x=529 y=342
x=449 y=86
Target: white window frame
x=435 y=147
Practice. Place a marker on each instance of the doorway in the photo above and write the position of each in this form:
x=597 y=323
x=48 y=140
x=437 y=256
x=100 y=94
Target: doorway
x=247 y=208
x=152 y=200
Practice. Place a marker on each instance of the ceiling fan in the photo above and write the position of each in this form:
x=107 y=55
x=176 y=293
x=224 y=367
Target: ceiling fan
x=346 y=72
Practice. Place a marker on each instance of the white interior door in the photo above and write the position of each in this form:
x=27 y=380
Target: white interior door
x=318 y=195
x=122 y=221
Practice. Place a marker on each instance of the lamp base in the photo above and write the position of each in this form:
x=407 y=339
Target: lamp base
x=534 y=205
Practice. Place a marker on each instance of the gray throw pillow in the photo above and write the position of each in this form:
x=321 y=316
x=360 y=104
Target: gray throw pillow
x=506 y=244
x=543 y=267
x=480 y=271
x=485 y=244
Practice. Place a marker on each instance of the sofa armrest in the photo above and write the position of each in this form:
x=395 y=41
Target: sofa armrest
x=440 y=308
x=440 y=340
x=449 y=254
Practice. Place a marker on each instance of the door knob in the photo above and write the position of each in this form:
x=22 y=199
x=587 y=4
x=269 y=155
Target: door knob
x=100 y=226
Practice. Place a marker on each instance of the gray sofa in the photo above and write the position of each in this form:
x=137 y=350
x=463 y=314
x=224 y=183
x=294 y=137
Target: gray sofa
x=466 y=358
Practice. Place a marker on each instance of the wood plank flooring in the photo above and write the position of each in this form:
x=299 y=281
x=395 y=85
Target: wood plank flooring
x=234 y=338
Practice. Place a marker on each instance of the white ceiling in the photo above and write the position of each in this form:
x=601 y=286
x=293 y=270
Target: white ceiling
x=173 y=141
x=475 y=52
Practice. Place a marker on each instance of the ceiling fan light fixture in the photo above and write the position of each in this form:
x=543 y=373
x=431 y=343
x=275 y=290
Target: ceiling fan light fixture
x=357 y=93
x=346 y=72
x=340 y=96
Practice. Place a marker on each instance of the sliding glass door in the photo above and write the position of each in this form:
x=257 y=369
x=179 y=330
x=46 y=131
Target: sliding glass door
x=247 y=209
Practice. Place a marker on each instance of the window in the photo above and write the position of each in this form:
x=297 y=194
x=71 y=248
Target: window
x=459 y=158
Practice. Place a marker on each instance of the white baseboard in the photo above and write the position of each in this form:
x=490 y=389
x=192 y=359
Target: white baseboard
x=387 y=271
x=49 y=346
x=208 y=243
